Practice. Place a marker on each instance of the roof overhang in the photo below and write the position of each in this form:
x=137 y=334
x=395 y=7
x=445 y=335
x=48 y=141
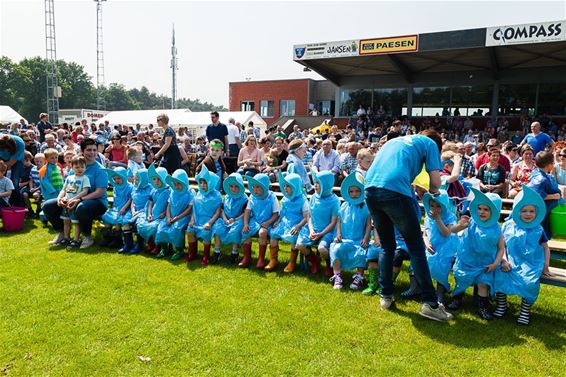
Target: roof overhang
x=494 y=50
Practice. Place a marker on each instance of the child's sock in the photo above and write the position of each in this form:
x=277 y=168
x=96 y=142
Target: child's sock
x=235 y=250
x=525 y=314
x=217 y=250
x=336 y=272
x=501 y=300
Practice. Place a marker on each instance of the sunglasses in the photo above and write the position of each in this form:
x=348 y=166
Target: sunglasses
x=563 y=155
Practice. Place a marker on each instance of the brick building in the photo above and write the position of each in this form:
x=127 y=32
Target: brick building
x=277 y=98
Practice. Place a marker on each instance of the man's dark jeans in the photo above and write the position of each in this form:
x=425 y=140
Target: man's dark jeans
x=390 y=209
x=87 y=211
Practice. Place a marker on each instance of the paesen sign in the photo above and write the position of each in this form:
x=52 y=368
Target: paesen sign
x=326 y=50
x=529 y=33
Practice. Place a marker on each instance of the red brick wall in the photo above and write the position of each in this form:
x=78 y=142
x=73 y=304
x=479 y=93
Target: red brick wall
x=271 y=91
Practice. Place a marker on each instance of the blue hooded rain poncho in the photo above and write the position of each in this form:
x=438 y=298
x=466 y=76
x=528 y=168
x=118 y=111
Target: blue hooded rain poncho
x=478 y=244
x=159 y=196
x=140 y=195
x=524 y=250
x=179 y=200
x=353 y=217
x=440 y=263
x=261 y=206
x=233 y=206
x=122 y=194
x=205 y=204
x=291 y=208
x=322 y=206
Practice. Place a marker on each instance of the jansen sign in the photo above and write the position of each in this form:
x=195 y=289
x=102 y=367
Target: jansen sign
x=522 y=34
x=325 y=50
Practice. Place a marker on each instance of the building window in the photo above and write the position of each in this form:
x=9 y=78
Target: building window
x=266 y=109
x=326 y=107
x=247 y=106
x=287 y=107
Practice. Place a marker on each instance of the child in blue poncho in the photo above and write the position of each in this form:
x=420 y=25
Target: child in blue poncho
x=480 y=249
x=120 y=214
x=172 y=231
x=140 y=199
x=324 y=207
x=353 y=231
x=206 y=210
x=527 y=255
x=261 y=212
x=156 y=208
x=228 y=229
x=439 y=236
x=294 y=209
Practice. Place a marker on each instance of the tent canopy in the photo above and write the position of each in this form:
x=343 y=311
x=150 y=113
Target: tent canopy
x=195 y=121
x=9 y=115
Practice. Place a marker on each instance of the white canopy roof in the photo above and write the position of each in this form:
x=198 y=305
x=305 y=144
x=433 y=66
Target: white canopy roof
x=196 y=120
x=143 y=117
x=9 y=115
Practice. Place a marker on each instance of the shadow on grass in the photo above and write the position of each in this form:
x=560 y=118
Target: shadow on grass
x=545 y=327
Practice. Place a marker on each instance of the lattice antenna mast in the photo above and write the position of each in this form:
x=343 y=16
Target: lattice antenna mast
x=174 y=68
x=100 y=103
x=53 y=91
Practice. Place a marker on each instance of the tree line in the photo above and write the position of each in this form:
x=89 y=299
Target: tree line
x=23 y=87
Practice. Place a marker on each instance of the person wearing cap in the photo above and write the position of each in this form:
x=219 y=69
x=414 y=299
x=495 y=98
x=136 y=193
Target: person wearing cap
x=324 y=207
x=480 y=251
x=119 y=216
x=206 y=210
x=140 y=196
x=156 y=208
x=179 y=207
x=440 y=228
x=261 y=213
x=295 y=164
x=353 y=231
x=294 y=212
x=493 y=144
x=228 y=229
x=527 y=255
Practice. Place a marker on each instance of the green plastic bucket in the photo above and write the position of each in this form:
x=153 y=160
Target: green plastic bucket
x=558 y=220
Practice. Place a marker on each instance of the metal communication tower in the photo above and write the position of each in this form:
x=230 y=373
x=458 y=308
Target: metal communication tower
x=53 y=91
x=100 y=103
x=174 y=69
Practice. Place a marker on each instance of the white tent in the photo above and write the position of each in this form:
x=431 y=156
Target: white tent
x=9 y=115
x=195 y=122
x=143 y=117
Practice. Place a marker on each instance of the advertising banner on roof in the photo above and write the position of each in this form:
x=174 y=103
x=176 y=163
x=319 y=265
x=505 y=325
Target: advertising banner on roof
x=389 y=45
x=323 y=50
x=540 y=32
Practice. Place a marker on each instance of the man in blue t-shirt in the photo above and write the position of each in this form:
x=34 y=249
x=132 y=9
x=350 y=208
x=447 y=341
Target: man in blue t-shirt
x=537 y=139
x=392 y=204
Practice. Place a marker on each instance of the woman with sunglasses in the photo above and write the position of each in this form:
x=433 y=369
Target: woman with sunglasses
x=521 y=173
x=117 y=152
x=169 y=152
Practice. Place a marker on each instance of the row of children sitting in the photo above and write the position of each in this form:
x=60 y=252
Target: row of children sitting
x=163 y=208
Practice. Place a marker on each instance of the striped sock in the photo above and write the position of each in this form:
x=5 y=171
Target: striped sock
x=525 y=314
x=501 y=300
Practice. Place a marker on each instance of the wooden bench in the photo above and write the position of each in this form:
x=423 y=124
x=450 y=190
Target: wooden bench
x=558 y=280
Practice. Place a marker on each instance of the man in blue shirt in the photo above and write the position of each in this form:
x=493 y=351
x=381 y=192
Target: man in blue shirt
x=392 y=204
x=537 y=139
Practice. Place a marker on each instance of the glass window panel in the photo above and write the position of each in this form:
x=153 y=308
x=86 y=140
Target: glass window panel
x=352 y=99
x=287 y=107
x=552 y=99
x=266 y=108
x=517 y=99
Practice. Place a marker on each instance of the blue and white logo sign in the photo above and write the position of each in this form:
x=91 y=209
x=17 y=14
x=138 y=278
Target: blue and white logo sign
x=325 y=50
x=299 y=52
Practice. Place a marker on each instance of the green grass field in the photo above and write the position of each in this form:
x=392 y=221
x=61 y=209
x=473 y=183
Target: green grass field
x=95 y=312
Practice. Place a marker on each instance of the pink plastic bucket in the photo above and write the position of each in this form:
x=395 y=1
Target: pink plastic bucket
x=13 y=218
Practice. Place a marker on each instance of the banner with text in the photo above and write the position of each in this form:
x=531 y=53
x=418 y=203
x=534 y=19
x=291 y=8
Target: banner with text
x=529 y=33
x=407 y=43
x=323 y=50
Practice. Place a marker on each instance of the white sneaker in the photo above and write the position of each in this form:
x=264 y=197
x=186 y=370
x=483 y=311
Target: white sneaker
x=58 y=238
x=386 y=302
x=439 y=314
x=87 y=242
x=337 y=279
